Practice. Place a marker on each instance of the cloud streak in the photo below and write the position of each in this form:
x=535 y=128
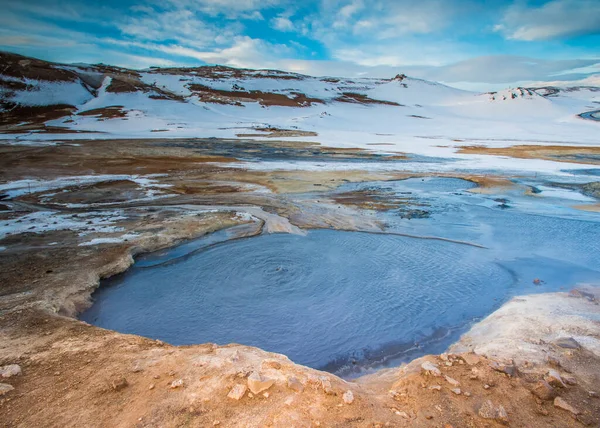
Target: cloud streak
x=553 y=20
x=466 y=41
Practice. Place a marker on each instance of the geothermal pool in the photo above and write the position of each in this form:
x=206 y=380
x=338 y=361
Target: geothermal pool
x=351 y=302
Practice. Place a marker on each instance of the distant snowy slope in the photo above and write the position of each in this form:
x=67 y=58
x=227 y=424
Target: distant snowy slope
x=40 y=99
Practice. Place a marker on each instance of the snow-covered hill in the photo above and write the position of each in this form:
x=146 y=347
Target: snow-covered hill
x=41 y=99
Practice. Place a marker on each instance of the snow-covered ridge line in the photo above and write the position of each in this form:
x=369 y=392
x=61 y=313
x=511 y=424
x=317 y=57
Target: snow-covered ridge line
x=399 y=114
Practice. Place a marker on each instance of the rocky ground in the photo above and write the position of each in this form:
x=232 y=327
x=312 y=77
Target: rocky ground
x=533 y=363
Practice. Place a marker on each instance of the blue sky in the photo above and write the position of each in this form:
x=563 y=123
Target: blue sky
x=467 y=43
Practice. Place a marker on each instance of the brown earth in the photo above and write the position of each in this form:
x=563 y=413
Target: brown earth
x=110 y=112
x=351 y=97
x=265 y=99
x=577 y=154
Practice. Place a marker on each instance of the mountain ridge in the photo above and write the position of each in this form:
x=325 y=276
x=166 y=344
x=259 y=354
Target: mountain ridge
x=40 y=98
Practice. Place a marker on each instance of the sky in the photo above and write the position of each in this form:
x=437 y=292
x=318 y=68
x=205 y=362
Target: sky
x=464 y=43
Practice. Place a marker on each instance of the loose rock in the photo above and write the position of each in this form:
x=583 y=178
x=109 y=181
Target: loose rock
x=456 y=391
x=562 y=404
x=5 y=388
x=10 y=370
x=554 y=379
x=237 y=392
x=544 y=390
x=452 y=381
x=258 y=384
x=176 y=383
x=508 y=369
x=471 y=358
x=348 y=397
x=430 y=369
x=567 y=343
x=436 y=387
x=489 y=411
x=119 y=384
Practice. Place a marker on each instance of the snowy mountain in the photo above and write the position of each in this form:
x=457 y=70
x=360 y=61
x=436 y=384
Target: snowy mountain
x=41 y=99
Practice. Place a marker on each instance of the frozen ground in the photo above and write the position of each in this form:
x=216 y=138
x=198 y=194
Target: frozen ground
x=404 y=114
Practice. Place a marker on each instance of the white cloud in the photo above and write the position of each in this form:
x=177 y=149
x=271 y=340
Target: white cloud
x=282 y=23
x=232 y=9
x=555 y=19
x=245 y=52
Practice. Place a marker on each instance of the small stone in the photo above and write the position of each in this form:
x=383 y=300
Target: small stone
x=554 y=379
x=444 y=357
x=10 y=370
x=402 y=414
x=176 y=383
x=435 y=387
x=508 y=369
x=326 y=385
x=467 y=394
x=562 y=404
x=501 y=415
x=136 y=369
x=471 y=358
x=448 y=363
x=266 y=395
x=456 y=391
x=452 y=381
x=5 y=388
x=119 y=384
x=250 y=395
x=258 y=384
x=486 y=386
x=593 y=394
x=429 y=368
x=489 y=411
x=543 y=390
x=215 y=423
x=289 y=401
x=348 y=397
x=152 y=386
x=237 y=392
x=156 y=377
x=569 y=380
x=295 y=384
x=567 y=343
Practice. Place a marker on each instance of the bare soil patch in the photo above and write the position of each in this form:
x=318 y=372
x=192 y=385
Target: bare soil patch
x=266 y=99
x=577 y=154
x=352 y=97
